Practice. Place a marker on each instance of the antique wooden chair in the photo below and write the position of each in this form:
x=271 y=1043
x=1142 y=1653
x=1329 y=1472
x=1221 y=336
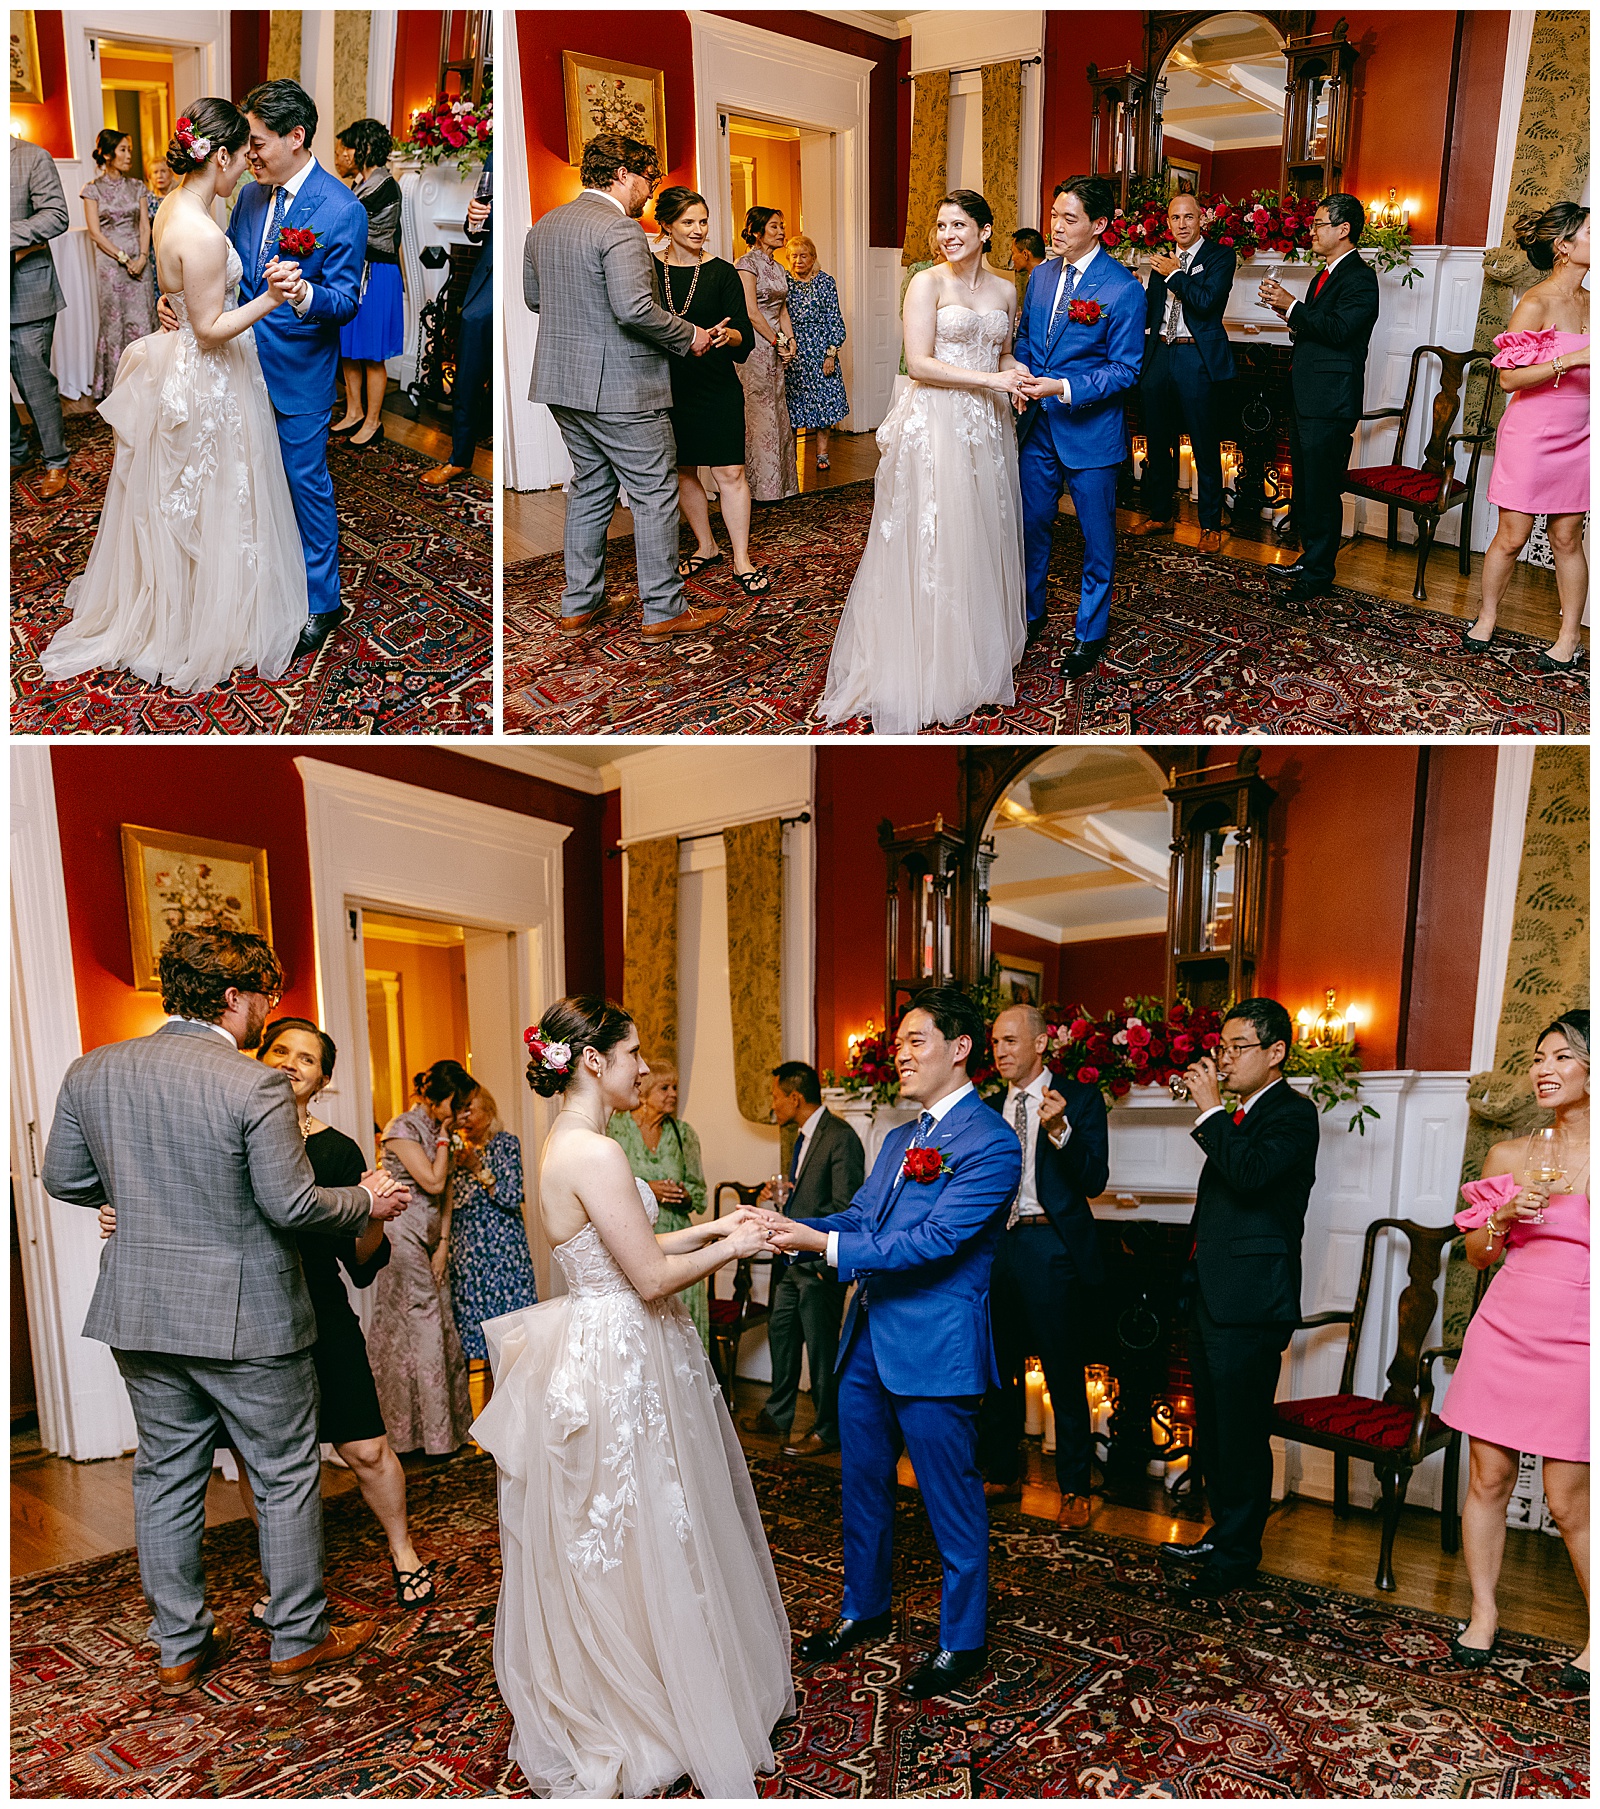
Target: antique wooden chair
x=1395 y=1434
x=1430 y=490
x=731 y=1319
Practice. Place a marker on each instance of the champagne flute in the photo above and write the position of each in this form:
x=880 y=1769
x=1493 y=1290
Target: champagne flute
x=1545 y=1166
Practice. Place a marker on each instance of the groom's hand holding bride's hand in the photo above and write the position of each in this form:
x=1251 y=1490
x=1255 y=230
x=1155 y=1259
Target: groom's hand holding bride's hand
x=167 y=315
x=284 y=281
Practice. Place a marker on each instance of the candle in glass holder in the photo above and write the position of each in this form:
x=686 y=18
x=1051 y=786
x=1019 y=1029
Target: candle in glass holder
x=1033 y=1420
x=1185 y=465
x=1049 y=1421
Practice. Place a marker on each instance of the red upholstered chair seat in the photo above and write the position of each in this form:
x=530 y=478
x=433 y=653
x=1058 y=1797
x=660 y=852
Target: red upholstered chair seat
x=1403 y=483
x=1355 y=1417
x=724 y=1313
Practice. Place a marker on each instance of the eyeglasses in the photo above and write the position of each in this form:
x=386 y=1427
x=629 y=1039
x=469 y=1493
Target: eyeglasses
x=1238 y=1048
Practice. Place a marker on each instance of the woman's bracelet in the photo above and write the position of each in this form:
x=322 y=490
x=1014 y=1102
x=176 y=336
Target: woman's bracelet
x=1559 y=368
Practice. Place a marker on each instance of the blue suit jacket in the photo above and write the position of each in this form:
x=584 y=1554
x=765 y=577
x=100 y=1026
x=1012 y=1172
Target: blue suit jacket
x=1204 y=293
x=925 y=1249
x=1066 y=1179
x=1100 y=362
x=300 y=358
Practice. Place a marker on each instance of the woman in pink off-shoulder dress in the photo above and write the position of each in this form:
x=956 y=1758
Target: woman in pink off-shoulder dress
x=1523 y=1380
x=1541 y=452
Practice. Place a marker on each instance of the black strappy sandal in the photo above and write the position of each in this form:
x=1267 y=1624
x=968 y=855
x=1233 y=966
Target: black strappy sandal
x=696 y=563
x=408 y=1582
x=755 y=582
x=257 y=1616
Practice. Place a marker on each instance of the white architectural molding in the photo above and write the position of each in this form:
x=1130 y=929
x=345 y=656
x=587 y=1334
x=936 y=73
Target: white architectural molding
x=1519 y=47
x=380 y=69
x=433 y=212
x=1513 y=780
x=83 y=1407
x=538 y=763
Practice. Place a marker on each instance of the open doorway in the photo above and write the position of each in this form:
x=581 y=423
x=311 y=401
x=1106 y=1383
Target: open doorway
x=138 y=96
x=416 y=975
x=786 y=165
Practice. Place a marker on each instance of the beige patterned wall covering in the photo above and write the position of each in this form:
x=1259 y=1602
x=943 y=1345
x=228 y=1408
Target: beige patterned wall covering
x=1002 y=152
x=352 y=37
x=1550 y=165
x=1547 y=972
x=283 y=48
x=930 y=160
x=650 y=955
x=755 y=960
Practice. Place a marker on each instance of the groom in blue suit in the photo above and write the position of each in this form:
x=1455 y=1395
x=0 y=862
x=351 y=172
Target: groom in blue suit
x=1081 y=335
x=916 y=1354
x=299 y=345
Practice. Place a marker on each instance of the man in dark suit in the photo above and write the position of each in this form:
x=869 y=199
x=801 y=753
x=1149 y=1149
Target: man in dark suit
x=1028 y=251
x=1328 y=374
x=1250 y=1214
x=1047 y=1262
x=474 y=344
x=1186 y=357
x=826 y=1169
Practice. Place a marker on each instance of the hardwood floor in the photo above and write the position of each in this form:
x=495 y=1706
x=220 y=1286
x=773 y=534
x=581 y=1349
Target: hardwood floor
x=533 y=524
x=65 y=1513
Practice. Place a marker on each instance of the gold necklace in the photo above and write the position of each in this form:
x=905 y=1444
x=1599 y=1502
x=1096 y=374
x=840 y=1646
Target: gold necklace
x=666 y=284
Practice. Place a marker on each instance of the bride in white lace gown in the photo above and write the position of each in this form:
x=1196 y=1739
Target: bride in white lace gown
x=640 y=1634
x=936 y=618
x=197 y=567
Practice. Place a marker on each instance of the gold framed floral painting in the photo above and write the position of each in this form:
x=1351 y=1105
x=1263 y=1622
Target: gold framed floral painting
x=1018 y=980
x=26 y=85
x=186 y=882
x=603 y=95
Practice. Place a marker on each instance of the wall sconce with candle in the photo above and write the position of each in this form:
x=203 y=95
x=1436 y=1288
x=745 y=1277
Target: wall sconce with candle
x=1390 y=213
x=1329 y=1028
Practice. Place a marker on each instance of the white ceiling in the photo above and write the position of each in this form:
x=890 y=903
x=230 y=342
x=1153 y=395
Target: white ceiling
x=1225 y=85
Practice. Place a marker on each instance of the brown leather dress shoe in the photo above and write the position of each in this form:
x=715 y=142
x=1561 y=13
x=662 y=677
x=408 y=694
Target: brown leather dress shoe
x=342 y=1642
x=1150 y=526
x=1002 y=1491
x=582 y=624
x=809 y=1446
x=52 y=484
x=175 y=1679
x=1213 y=540
x=1075 y=1511
x=442 y=474
x=691 y=621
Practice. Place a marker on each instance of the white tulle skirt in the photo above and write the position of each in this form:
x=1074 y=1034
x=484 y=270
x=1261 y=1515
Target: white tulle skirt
x=640 y=1633
x=197 y=568
x=936 y=618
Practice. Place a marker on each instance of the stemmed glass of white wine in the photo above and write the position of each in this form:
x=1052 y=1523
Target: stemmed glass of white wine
x=1545 y=1167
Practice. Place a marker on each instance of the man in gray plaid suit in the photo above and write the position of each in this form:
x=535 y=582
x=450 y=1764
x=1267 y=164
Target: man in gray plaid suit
x=201 y=1295
x=600 y=366
x=38 y=214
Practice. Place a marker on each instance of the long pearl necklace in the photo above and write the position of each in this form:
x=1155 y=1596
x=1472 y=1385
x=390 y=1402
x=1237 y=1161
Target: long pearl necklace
x=666 y=283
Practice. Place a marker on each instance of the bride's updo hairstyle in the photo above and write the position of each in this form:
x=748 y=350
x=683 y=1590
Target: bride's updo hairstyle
x=557 y=1042
x=973 y=205
x=211 y=122
x=1538 y=234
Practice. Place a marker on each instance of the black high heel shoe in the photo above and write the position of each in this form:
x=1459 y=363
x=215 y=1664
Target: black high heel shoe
x=1544 y=663
x=1574 y=1678
x=362 y=445
x=1472 y=1658
x=1472 y=646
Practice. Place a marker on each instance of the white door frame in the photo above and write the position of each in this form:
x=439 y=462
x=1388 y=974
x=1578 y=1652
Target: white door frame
x=380 y=844
x=742 y=69
x=1513 y=780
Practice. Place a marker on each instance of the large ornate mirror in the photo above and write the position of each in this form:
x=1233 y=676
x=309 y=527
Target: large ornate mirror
x=1223 y=106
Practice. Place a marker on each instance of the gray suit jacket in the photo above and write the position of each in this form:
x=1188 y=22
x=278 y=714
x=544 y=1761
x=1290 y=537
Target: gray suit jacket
x=38 y=214
x=830 y=1177
x=199 y=1149
x=603 y=336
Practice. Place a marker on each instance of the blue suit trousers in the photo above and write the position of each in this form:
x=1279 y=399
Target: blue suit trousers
x=1094 y=495
x=304 y=439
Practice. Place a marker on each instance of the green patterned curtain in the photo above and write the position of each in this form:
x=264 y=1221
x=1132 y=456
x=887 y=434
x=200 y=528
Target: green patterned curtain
x=1002 y=152
x=650 y=954
x=1551 y=164
x=755 y=960
x=352 y=40
x=283 y=47
x=1547 y=972
x=930 y=160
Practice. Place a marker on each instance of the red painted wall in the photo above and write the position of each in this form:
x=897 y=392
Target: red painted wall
x=253 y=795
x=50 y=123
x=1100 y=975
x=1236 y=173
x=1003 y=940
x=249 y=42
x=1402 y=111
x=1479 y=83
x=1191 y=153
x=1073 y=40
x=416 y=66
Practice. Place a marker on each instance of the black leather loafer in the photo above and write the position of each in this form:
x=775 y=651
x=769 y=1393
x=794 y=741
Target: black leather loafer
x=1083 y=657
x=1287 y=573
x=317 y=630
x=818 y=1648
x=1188 y=1554
x=944 y=1672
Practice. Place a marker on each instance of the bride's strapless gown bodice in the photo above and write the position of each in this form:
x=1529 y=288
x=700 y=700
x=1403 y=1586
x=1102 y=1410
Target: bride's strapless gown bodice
x=640 y=1634
x=935 y=622
x=197 y=568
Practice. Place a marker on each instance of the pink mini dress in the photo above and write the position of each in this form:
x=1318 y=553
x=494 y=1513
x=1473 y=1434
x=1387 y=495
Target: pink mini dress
x=1541 y=451
x=1523 y=1377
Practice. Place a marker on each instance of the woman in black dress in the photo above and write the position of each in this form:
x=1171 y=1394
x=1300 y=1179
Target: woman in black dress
x=707 y=397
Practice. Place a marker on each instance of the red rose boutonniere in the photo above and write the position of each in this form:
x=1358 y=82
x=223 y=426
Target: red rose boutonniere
x=1086 y=313
x=297 y=241
x=924 y=1165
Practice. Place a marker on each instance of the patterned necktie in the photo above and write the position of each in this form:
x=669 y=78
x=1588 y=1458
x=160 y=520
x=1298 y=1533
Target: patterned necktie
x=1064 y=294
x=273 y=220
x=1169 y=327
x=1019 y=1123
x=924 y=1126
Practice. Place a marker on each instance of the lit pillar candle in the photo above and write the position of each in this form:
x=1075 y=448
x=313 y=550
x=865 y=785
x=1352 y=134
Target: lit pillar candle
x=1033 y=1421
x=1185 y=465
x=1049 y=1422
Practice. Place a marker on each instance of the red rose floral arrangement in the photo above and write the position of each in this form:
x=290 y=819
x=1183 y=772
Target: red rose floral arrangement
x=297 y=241
x=1085 y=313
x=454 y=129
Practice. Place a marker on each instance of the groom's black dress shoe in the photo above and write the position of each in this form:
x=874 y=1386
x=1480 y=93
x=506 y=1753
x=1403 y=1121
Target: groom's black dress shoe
x=817 y=1648
x=1084 y=657
x=1289 y=574
x=317 y=630
x=943 y=1672
x=1214 y=1579
x=1188 y=1554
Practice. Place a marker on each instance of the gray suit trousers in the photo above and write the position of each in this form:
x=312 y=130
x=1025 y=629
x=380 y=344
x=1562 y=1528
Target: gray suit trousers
x=266 y=1407
x=641 y=453
x=30 y=366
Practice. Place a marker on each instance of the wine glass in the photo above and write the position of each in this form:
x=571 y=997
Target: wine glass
x=780 y=1185
x=1178 y=1087
x=1545 y=1166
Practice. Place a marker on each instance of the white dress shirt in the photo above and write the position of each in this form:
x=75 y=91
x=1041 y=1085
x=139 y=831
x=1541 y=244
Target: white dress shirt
x=607 y=194
x=936 y=1112
x=1174 y=326
x=1081 y=265
x=291 y=188
x=226 y=1035
x=1327 y=270
x=1249 y=1104
x=1028 y=1206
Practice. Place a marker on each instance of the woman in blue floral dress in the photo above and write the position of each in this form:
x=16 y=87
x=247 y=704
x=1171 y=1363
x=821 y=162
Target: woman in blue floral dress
x=816 y=389
x=491 y=1269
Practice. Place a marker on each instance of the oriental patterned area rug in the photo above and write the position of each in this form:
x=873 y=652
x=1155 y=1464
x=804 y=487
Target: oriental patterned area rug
x=1102 y=1683
x=1199 y=646
x=416 y=658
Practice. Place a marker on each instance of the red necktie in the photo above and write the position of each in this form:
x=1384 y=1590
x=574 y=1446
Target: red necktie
x=1316 y=287
x=1238 y=1117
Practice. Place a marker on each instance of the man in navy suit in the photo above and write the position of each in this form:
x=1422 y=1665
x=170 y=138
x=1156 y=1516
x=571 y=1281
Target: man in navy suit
x=1081 y=336
x=916 y=1353
x=299 y=345
x=474 y=345
x=1187 y=356
x=1047 y=1263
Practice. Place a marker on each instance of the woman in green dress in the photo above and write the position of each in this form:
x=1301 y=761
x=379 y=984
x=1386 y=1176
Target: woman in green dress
x=664 y=1153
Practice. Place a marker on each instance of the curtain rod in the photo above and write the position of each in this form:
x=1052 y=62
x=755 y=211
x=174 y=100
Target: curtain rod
x=976 y=69
x=707 y=835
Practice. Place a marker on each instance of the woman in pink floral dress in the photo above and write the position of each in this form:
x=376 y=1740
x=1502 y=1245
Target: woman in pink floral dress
x=1541 y=453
